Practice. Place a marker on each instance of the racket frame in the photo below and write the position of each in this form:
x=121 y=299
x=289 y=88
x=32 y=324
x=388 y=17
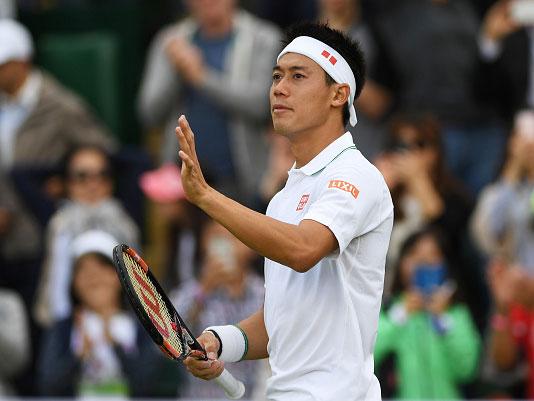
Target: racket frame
x=186 y=338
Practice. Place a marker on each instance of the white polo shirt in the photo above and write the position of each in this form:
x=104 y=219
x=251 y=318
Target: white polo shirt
x=322 y=324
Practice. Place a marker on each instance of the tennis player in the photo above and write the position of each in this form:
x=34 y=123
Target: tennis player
x=324 y=238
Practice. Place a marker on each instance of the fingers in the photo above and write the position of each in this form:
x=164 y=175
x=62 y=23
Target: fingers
x=187 y=162
x=188 y=132
x=184 y=145
x=186 y=138
x=203 y=369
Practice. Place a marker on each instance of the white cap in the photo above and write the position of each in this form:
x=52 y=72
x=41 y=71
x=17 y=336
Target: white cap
x=93 y=241
x=15 y=42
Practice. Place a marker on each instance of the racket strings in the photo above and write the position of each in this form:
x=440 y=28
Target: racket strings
x=147 y=293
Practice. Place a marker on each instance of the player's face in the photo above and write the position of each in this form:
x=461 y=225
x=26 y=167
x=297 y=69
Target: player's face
x=300 y=96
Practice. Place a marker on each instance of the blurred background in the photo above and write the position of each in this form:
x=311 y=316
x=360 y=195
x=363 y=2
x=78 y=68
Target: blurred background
x=90 y=91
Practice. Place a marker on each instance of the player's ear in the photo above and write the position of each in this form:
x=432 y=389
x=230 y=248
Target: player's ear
x=341 y=94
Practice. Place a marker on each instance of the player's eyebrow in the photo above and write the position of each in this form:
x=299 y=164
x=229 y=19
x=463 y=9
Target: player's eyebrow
x=292 y=68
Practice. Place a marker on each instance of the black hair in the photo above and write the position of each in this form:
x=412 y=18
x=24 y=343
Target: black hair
x=74 y=150
x=349 y=49
x=444 y=245
x=101 y=259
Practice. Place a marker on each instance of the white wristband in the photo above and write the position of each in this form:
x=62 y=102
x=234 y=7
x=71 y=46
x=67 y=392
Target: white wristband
x=233 y=342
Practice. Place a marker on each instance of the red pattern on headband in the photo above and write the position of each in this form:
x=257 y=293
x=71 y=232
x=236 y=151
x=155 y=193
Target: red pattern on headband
x=330 y=58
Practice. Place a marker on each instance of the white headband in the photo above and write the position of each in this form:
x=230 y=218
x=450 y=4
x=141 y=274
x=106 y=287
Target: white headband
x=330 y=61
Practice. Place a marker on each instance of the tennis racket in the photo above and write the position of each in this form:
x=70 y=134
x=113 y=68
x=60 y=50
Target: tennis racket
x=158 y=316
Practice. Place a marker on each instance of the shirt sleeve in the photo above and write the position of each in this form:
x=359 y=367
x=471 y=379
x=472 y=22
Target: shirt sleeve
x=520 y=323
x=350 y=205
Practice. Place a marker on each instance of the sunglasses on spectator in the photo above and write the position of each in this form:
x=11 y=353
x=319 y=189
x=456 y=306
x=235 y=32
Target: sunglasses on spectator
x=83 y=176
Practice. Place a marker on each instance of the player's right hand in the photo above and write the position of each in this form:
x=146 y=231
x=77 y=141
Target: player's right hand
x=211 y=368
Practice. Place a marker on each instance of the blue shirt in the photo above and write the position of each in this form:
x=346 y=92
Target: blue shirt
x=210 y=121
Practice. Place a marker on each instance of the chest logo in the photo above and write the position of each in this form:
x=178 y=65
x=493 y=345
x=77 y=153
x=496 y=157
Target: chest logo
x=344 y=186
x=303 y=201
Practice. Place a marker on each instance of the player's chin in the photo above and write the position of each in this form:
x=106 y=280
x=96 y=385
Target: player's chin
x=281 y=126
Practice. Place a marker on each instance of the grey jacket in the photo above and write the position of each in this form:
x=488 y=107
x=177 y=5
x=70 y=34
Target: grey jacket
x=242 y=89
x=59 y=120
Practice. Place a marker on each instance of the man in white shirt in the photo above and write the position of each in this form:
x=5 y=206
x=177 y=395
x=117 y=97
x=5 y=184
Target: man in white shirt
x=324 y=238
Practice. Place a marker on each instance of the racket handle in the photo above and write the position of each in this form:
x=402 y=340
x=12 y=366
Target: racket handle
x=233 y=388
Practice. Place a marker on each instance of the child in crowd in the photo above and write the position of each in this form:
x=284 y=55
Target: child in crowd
x=99 y=350
x=429 y=332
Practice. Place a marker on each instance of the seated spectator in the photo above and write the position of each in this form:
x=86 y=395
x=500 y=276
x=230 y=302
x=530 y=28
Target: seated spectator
x=99 y=350
x=434 y=342
x=225 y=291
x=40 y=120
x=511 y=337
x=216 y=67
x=503 y=222
x=423 y=191
x=90 y=205
x=15 y=346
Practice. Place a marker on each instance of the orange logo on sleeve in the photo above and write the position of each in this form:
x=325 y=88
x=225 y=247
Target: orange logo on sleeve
x=344 y=186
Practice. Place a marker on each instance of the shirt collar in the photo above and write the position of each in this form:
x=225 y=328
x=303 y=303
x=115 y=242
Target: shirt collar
x=326 y=156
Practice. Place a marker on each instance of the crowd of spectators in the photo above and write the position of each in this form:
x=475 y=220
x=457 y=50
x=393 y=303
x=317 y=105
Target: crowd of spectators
x=446 y=115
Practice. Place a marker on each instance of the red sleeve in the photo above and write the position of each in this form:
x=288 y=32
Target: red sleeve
x=520 y=324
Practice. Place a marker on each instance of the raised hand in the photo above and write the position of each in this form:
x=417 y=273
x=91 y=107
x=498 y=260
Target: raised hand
x=187 y=59
x=193 y=181
x=498 y=22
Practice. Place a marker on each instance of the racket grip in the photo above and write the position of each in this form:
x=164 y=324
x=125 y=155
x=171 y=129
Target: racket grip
x=233 y=388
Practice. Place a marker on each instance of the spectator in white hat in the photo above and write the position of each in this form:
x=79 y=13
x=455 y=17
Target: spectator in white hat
x=40 y=121
x=99 y=349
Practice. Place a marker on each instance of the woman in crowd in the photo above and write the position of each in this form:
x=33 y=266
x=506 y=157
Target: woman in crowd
x=503 y=222
x=426 y=328
x=90 y=205
x=423 y=191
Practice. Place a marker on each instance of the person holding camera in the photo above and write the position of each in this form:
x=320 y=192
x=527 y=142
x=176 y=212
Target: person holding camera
x=512 y=323
x=422 y=189
x=506 y=43
x=225 y=291
x=427 y=329
x=503 y=222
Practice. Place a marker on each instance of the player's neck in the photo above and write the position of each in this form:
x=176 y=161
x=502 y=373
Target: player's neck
x=306 y=145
